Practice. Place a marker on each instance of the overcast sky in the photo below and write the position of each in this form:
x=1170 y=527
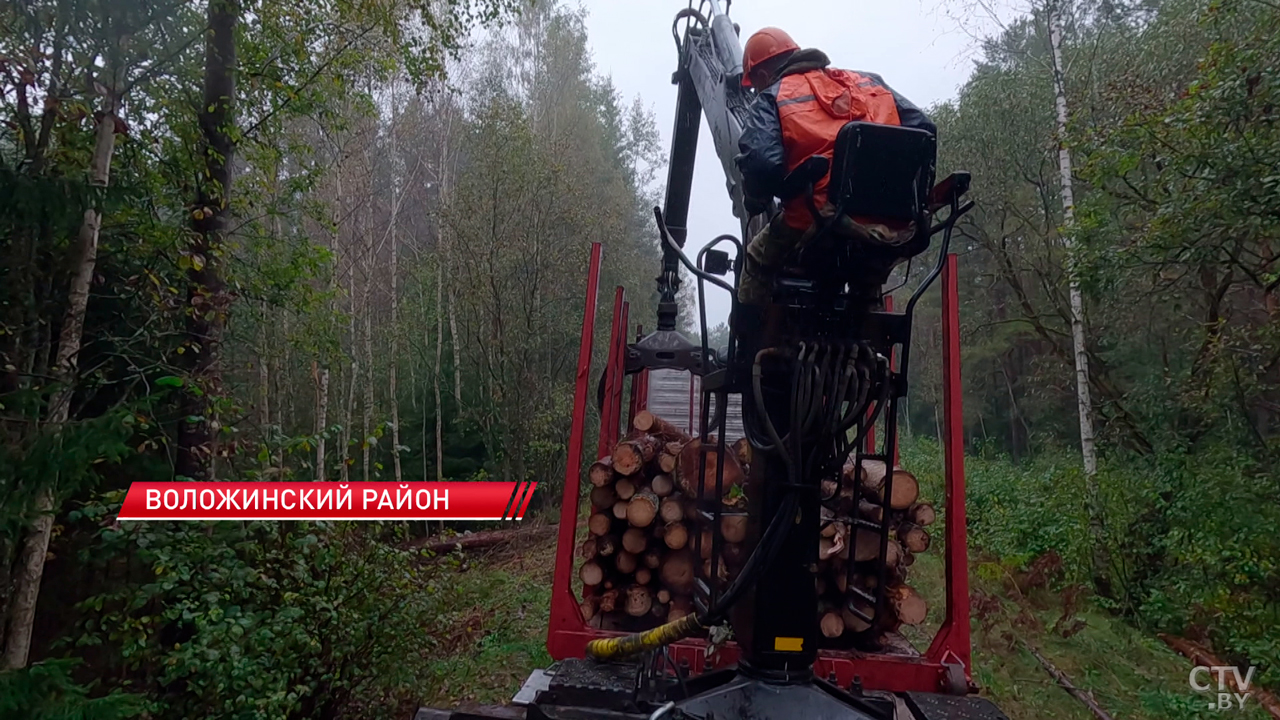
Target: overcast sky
x=911 y=43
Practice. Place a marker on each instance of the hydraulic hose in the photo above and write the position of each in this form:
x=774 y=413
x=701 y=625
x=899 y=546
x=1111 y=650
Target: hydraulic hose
x=690 y=625
x=619 y=647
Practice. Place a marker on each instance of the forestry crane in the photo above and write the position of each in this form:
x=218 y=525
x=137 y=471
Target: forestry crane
x=819 y=378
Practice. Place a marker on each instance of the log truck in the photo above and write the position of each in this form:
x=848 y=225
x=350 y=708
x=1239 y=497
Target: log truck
x=819 y=381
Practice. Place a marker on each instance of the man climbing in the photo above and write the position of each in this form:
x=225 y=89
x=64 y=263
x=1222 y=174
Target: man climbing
x=800 y=105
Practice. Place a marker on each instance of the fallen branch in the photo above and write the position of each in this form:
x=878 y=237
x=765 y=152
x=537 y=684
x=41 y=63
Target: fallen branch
x=1065 y=683
x=1200 y=655
x=486 y=539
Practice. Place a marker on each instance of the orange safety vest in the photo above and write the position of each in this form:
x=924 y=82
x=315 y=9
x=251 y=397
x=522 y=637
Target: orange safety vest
x=812 y=107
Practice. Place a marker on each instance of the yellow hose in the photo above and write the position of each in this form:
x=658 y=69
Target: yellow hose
x=614 y=648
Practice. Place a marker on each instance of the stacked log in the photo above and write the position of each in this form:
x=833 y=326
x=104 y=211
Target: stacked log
x=648 y=543
x=852 y=560
x=640 y=556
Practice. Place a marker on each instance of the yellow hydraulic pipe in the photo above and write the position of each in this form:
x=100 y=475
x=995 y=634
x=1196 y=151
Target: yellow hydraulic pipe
x=619 y=647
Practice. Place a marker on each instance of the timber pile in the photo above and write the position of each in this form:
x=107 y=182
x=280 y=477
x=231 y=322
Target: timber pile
x=640 y=560
x=849 y=556
x=647 y=543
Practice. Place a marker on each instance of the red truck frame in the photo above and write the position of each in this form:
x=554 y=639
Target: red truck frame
x=944 y=667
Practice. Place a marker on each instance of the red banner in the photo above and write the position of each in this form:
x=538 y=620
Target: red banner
x=327 y=501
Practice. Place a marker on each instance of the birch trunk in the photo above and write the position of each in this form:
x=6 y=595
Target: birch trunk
x=395 y=315
x=367 y=416
x=322 y=412
x=264 y=374
x=1084 y=403
x=322 y=419
x=26 y=587
x=439 y=345
x=457 y=350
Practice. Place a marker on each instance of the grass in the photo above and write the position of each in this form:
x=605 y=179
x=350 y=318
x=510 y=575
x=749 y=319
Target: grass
x=495 y=637
x=495 y=634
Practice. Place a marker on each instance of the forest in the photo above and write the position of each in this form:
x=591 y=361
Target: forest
x=255 y=240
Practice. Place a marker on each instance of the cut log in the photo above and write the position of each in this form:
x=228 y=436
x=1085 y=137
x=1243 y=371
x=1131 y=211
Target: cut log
x=893 y=643
x=591 y=573
x=590 y=605
x=650 y=424
x=620 y=509
x=680 y=607
x=828 y=547
x=642 y=509
x=603 y=497
x=852 y=474
x=601 y=472
x=872 y=477
x=1200 y=655
x=630 y=455
x=609 y=601
x=672 y=509
x=587 y=549
x=734 y=554
x=644 y=575
x=663 y=595
x=659 y=612
x=742 y=451
x=905 y=491
x=662 y=485
x=687 y=471
x=675 y=535
x=639 y=601
x=599 y=524
x=624 y=488
x=635 y=540
x=893 y=555
x=831 y=623
x=922 y=514
x=828 y=517
x=484 y=539
x=907 y=605
x=913 y=537
x=909 y=559
x=733 y=528
x=626 y=562
x=673 y=448
x=866 y=546
x=653 y=559
x=677 y=571
x=667 y=462
x=868 y=510
x=704 y=550
x=606 y=545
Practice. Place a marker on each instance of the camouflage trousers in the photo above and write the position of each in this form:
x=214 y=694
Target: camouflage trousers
x=771 y=248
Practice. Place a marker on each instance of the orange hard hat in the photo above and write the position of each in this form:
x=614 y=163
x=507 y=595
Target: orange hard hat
x=765 y=44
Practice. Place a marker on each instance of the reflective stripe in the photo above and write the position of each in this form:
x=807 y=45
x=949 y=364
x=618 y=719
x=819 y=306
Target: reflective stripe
x=792 y=101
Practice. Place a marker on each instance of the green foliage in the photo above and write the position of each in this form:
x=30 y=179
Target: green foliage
x=1186 y=533
x=261 y=620
x=47 y=691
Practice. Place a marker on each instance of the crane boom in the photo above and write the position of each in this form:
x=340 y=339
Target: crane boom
x=709 y=80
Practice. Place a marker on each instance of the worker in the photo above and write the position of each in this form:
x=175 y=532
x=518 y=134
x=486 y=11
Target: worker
x=800 y=105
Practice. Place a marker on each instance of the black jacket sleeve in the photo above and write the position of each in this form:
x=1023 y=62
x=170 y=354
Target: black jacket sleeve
x=762 y=159
x=908 y=114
